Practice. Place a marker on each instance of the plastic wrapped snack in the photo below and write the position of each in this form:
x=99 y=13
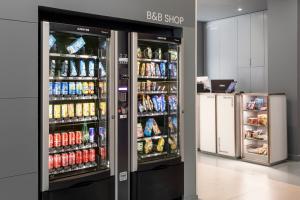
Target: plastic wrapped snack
x=140 y=132
x=64 y=68
x=91 y=68
x=148 y=69
x=159 y=102
x=102 y=70
x=160 y=145
x=148 y=146
x=162 y=69
x=157 y=70
x=150 y=103
x=141 y=107
x=155 y=128
x=138 y=68
x=174 y=121
x=163 y=103
x=155 y=104
x=76 y=45
x=73 y=68
x=152 y=69
x=173 y=142
x=143 y=69
x=171 y=125
x=148 y=127
x=82 y=68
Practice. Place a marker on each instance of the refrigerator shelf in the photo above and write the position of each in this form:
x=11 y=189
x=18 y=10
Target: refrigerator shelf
x=151 y=60
x=255 y=110
x=72 y=97
x=72 y=148
x=255 y=125
x=152 y=114
x=75 y=56
x=72 y=120
x=72 y=168
x=152 y=92
x=255 y=139
x=73 y=78
x=152 y=138
x=153 y=155
x=153 y=77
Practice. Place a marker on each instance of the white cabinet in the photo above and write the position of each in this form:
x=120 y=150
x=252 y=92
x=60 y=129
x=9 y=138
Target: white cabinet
x=226 y=125
x=257 y=40
x=207 y=122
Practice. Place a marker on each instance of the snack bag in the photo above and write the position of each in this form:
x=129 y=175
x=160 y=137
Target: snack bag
x=148 y=146
x=73 y=68
x=157 y=70
x=101 y=70
x=82 y=68
x=64 y=68
x=143 y=70
x=140 y=132
x=162 y=69
x=174 y=122
x=76 y=45
x=148 y=127
x=141 y=107
x=145 y=103
x=163 y=103
x=160 y=145
x=148 y=86
x=152 y=69
x=148 y=69
x=138 y=68
x=171 y=125
x=91 y=68
x=173 y=142
x=155 y=104
x=159 y=102
x=155 y=128
x=150 y=103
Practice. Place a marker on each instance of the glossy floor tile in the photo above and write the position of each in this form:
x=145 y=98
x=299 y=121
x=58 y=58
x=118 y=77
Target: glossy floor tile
x=226 y=179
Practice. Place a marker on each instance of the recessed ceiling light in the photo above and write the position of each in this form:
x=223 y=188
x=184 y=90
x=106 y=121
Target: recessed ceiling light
x=240 y=9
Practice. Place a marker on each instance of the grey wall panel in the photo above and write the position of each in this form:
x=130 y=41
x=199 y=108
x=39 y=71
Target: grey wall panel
x=24 y=10
x=200 y=48
x=18 y=59
x=19 y=187
x=128 y=9
x=19 y=136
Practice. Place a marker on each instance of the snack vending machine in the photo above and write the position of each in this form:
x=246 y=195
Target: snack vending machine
x=156 y=110
x=77 y=140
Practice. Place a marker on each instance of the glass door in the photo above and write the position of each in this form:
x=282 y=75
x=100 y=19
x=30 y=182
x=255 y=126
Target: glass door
x=78 y=97
x=157 y=85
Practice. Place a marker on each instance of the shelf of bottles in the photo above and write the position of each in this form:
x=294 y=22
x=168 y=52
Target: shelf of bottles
x=77 y=104
x=255 y=126
x=157 y=98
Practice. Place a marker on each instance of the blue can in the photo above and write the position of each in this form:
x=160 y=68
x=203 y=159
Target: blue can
x=102 y=134
x=72 y=88
x=64 y=88
x=57 y=88
x=50 y=88
x=92 y=135
x=78 y=88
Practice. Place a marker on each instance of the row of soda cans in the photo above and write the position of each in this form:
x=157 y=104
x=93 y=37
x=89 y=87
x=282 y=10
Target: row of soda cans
x=71 y=88
x=58 y=111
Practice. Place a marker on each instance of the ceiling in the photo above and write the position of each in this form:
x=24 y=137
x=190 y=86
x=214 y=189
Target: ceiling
x=209 y=10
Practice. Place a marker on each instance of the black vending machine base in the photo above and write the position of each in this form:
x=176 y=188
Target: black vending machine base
x=163 y=182
x=95 y=190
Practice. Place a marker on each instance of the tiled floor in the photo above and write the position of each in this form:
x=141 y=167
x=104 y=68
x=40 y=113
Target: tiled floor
x=226 y=179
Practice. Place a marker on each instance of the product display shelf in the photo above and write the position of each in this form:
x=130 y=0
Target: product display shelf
x=153 y=77
x=72 y=97
x=152 y=114
x=152 y=92
x=72 y=148
x=153 y=155
x=76 y=56
x=72 y=120
x=152 y=138
x=151 y=60
x=73 y=168
x=62 y=78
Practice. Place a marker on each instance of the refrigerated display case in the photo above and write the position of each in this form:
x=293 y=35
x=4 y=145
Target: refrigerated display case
x=156 y=114
x=264 y=128
x=76 y=93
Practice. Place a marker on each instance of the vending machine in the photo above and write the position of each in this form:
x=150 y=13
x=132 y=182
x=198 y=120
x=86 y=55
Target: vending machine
x=156 y=114
x=77 y=112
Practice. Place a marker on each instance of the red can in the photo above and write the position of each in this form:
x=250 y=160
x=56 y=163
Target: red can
x=72 y=138
x=64 y=139
x=57 y=140
x=103 y=153
x=50 y=140
x=92 y=155
x=64 y=159
x=78 y=137
x=72 y=158
x=85 y=156
x=57 y=161
x=78 y=157
x=50 y=162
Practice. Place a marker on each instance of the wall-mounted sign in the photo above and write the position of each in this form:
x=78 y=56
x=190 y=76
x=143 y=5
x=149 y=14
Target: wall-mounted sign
x=160 y=17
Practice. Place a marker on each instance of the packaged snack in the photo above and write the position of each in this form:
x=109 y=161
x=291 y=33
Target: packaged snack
x=150 y=103
x=155 y=104
x=92 y=109
x=103 y=108
x=162 y=69
x=50 y=88
x=101 y=70
x=76 y=45
x=170 y=125
x=71 y=112
x=163 y=103
x=139 y=86
x=138 y=68
x=57 y=111
x=155 y=128
x=143 y=86
x=64 y=110
x=82 y=68
x=143 y=69
x=174 y=121
x=73 y=68
x=148 y=127
x=140 y=147
x=262 y=119
x=158 y=54
x=52 y=41
x=101 y=87
x=148 y=86
x=64 y=88
x=91 y=68
x=85 y=88
x=50 y=111
x=64 y=68
x=173 y=142
x=145 y=103
x=148 y=52
x=154 y=86
x=152 y=69
x=160 y=145
x=148 y=146
x=157 y=70
x=86 y=109
x=140 y=132
x=52 y=68
x=78 y=109
x=173 y=55
x=91 y=88
x=78 y=88
x=148 y=69
x=139 y=52
x=159 y=103
x=141 y=107
x=72 y=88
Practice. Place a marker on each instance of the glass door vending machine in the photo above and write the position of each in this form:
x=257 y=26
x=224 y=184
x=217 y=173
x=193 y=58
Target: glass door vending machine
x=156 y=111
x=77 y=140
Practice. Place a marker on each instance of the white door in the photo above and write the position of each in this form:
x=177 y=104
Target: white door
x=207 y=123
x=226 y=125
x=243 y=29
x=257 y=40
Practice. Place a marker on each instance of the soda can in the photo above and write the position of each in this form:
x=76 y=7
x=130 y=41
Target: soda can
x=85 y=88
x=78 y=157
x=72 y=138
x=50 y=111
x=50 y=162
x=57 y=140
x=92 y=109
x=78 y=109
x=64 y=139
x=91 y=88
x=85 y=156
x=72 y=88
x=57 y=110
x=50 y=140
x=78 y=137
x=50 y=88
x=86 y=109
x=64 y=110
x=64 y=159
x=92 y=135
x=57 y=88
x=72 y=158
x=102 y=134
x=57 y=161
x=64 y=88
x=71 y=110
x=78 y=88
x=92 y=155
x=103 y=153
